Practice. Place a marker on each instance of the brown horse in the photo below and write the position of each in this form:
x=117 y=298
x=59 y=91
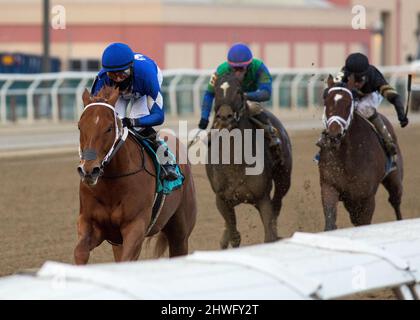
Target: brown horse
x=353 y=162
x=229 y=180
x=117 y=189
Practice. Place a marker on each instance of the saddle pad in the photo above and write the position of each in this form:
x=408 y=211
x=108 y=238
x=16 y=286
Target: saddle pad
x=164 y=186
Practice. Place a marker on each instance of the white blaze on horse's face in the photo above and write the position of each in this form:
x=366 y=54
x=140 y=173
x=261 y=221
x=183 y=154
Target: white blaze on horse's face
x=337 y=98
x=225 y=86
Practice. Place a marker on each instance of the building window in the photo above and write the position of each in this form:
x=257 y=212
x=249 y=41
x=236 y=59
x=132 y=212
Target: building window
x=84 y=65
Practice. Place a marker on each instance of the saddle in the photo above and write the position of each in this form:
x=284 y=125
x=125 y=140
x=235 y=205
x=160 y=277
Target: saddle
x=163 y=187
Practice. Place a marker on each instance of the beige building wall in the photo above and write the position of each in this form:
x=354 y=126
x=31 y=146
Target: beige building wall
x=277 y=55
x=34 y=48
x=156 y=12
x=410 y=9
x=180 y=55
x=212 y=54
x=146 y=12
x=306 y=54
x=333 y=54
x=409 y=42
x=256 y=50
x=357 y=47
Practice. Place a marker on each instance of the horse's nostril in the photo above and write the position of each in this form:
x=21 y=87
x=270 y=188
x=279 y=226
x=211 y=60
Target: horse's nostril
x=80 y=171
x=96 y=171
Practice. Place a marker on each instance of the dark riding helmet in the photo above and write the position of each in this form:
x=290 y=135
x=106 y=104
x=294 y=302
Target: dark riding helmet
x=117 y=57
x=358 y=64
x=239 y=55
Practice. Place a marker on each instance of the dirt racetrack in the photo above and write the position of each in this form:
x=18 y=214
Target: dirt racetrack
x=39 y=205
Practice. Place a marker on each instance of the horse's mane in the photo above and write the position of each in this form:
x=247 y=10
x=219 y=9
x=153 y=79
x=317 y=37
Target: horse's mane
x=104 y=94
x=227 y=77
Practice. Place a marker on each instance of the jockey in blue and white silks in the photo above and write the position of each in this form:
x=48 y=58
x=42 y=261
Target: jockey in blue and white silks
x=139 y=80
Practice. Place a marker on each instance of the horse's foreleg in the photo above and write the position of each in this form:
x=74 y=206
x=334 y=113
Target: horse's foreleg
x=330 y=198
x=269 y=219
x=231 y=233
x=133 y=236
x=89 y=238
x=117 y=251
x=361 y=213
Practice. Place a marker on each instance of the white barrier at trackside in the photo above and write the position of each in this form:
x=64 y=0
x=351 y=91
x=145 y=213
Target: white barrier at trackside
x=57 y=96
x=306 y=266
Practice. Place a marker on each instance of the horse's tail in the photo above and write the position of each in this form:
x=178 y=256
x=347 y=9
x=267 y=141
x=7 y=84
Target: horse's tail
x=161 y=245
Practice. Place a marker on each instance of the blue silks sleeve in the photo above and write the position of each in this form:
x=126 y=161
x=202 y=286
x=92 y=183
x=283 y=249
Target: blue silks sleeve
x=155 y=118
x=262 y=94
x=154 y=103
x=207 y=104
x=264 y=81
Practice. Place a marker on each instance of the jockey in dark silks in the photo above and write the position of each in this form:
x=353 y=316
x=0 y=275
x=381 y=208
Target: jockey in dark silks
x=370 y=88
x=139 y=80
x=256 y=84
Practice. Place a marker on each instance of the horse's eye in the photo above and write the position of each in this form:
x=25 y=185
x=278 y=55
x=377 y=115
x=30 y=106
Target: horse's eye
x=109 y=129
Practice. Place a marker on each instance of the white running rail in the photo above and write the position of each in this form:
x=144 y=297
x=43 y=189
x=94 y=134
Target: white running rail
x=57 y=97
x=306 y=266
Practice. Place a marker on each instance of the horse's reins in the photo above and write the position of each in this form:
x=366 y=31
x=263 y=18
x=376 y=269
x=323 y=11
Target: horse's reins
x=343 y=123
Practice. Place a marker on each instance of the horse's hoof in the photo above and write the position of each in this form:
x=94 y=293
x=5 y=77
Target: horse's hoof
x=224 y=242
x=223 y=245
x=235 y=242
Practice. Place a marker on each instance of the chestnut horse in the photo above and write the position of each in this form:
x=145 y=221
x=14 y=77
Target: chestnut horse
x=117 y=189
x=353 y=162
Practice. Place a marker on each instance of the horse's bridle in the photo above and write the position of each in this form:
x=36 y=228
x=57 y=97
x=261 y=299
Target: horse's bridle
x=237 y=114
x=120 y=137
x=343 y=123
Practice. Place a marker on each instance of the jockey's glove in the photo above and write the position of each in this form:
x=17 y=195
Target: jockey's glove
x=129 y=122
x=203 y=124
x=404 y=122
x=399 y=108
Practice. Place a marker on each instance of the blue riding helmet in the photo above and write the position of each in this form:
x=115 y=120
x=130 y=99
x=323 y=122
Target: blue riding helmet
x=239 y=55
x=117 y=57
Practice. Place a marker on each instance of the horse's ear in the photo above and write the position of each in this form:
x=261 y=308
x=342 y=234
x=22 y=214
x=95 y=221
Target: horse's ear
x=114 y=96
x=330 y=81
x=86 y=97
x=351 y=81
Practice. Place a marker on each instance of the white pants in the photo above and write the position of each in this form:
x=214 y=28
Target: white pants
x=368 y=104
x=140 y=106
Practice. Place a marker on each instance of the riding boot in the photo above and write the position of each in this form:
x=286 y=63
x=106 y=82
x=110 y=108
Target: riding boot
x=271 y=134
x=168 y=169
x=383 y=131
